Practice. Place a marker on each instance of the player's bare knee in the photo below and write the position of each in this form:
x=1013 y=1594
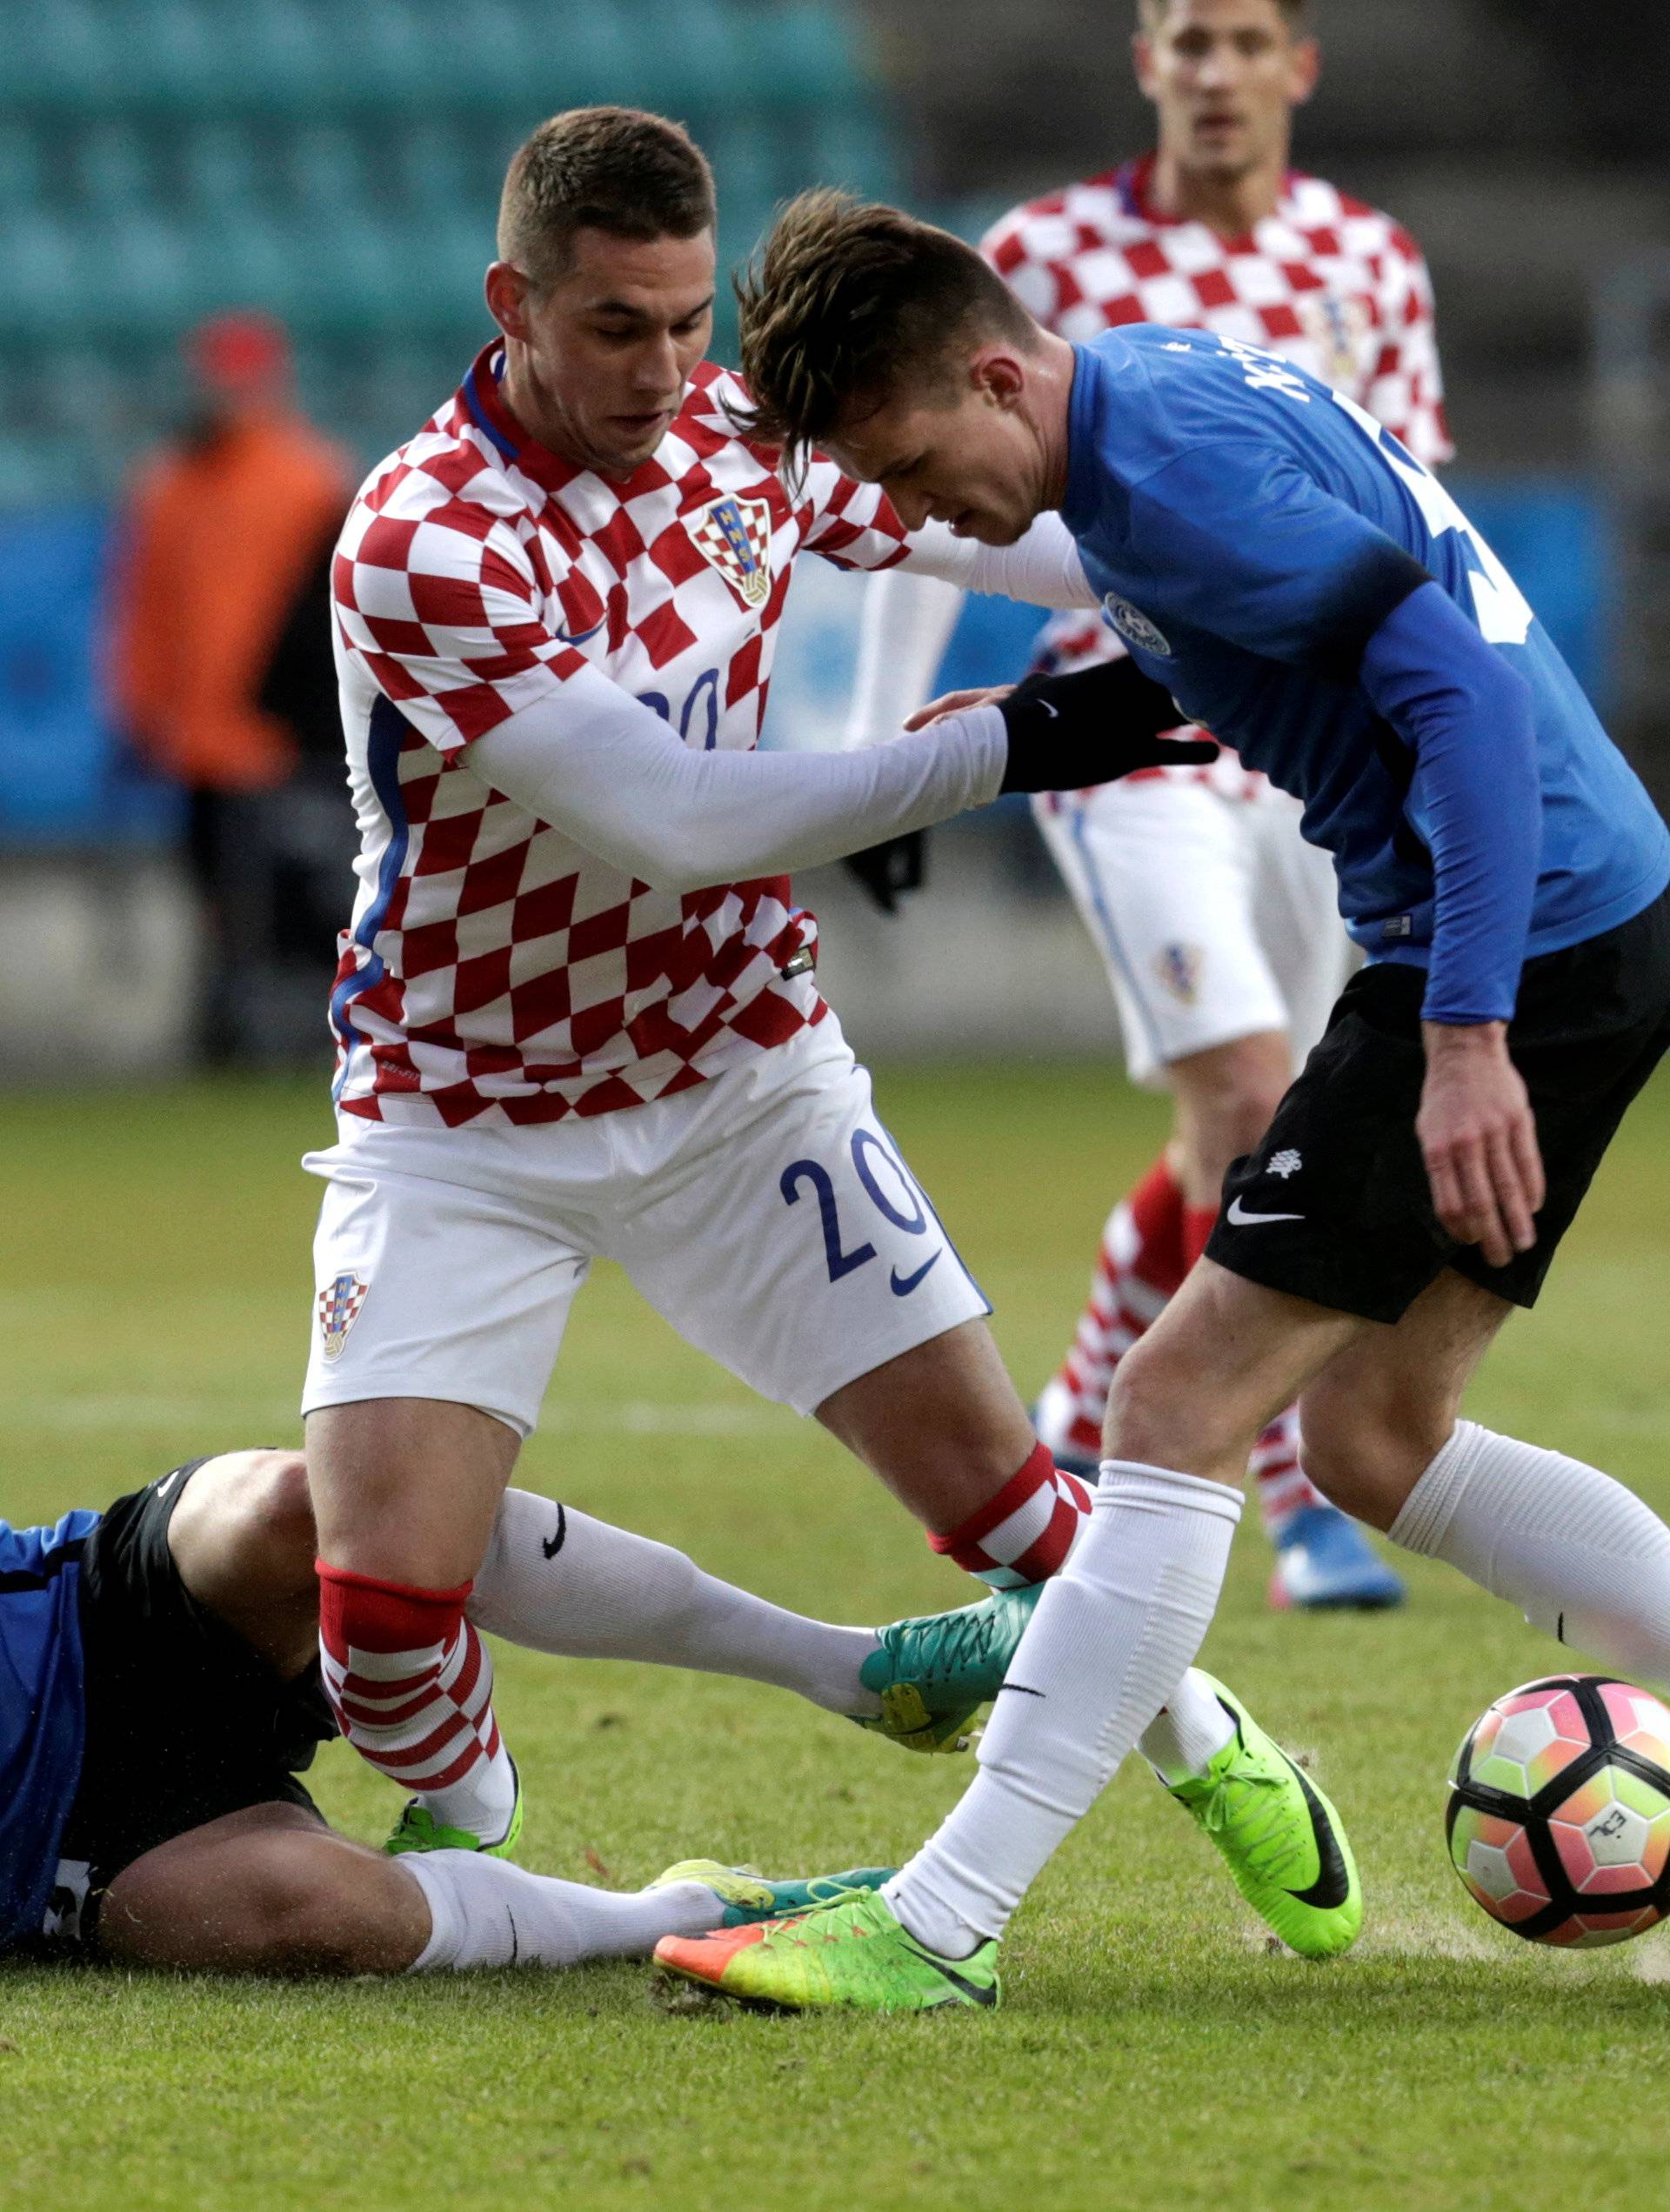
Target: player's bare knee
x=1158 y=1414
x=1366 y=1460
x=282 y=1507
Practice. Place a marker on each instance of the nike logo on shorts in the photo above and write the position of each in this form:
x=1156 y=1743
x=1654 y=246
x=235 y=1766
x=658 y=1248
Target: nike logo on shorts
x=904 y=1285
x=1239 y=1218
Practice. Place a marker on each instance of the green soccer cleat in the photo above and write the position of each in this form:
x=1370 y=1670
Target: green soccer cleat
x=417 y=1829
x=852 y=1953
x=1285 y=1844
x=749 y=1898
x=934 y=1671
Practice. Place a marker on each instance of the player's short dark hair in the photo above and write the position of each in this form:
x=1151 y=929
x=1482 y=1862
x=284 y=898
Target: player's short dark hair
x=1152 y=11
x=617 y=170
x=845 y=301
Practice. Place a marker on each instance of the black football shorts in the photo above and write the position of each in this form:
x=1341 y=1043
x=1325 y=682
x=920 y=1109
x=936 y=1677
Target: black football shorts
x=1333 y=1206
x=185 y=1721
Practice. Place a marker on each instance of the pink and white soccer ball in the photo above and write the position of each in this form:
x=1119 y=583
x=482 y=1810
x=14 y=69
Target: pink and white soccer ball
x=1559 y=1819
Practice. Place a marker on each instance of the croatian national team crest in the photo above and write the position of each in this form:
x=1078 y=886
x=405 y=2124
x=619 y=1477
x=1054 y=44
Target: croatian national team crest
x=339 y=1304
x=1179 y=968
x=1135 y=628
x=734 y=536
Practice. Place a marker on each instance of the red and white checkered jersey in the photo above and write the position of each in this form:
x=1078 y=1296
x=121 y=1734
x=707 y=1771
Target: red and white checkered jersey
x=1325 y=280
x=495 y=970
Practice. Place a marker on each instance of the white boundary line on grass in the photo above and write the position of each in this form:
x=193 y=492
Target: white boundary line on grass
x=83 y=1413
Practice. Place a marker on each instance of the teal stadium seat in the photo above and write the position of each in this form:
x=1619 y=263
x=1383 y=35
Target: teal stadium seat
x=23 y=168
x=173 y=56
x=349 y=270
x=434 y=171
x=383 y=66
x=41 y=278
x=288 y=61
x=592 y=53
x=116 y=169
x=494 y=59
x=222 y=170
x=58 y=58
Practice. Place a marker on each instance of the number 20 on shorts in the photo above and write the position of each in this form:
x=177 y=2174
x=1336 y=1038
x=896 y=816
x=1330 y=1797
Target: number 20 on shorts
x=869 y=1154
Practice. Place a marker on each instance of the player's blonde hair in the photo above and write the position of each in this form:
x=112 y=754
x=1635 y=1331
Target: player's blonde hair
x=847 y=300
x=616 y=170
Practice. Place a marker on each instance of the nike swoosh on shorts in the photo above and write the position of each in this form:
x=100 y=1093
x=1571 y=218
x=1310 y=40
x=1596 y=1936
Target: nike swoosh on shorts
x=1239 y=1218
x=902 y=1286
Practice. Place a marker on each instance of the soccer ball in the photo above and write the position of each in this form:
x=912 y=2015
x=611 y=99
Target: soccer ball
x=1559 y=1819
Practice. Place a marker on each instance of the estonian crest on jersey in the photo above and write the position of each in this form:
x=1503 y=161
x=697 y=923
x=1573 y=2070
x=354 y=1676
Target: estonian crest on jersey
x=734 y=536
x=339 y=1304
x=1135 y=628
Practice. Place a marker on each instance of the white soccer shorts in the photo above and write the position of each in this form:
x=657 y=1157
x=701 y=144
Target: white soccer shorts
x=766 y=1214
x=1214 y=919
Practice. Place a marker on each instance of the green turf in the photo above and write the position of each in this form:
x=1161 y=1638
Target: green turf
x=153 y=1303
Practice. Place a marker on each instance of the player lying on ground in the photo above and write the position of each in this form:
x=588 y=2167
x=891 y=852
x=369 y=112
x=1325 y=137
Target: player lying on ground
x=1216 y=923
x=575 y=1011
x=163 y=1693
x=1285 y=572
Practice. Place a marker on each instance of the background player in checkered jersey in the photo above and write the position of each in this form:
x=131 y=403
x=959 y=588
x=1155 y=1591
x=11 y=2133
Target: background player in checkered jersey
x=575 y=1009
x=1216 y=921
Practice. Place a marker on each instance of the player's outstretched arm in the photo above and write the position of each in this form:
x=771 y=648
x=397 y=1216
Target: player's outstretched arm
x=598 y=765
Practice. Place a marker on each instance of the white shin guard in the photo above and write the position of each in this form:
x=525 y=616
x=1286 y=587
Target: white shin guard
x=1579 y=1555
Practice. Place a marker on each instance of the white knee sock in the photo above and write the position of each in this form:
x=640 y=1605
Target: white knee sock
x=1109 y=1639
x=1187 y=1734
x=486 y=1913
x=558 y=1582
x=1578 y=1553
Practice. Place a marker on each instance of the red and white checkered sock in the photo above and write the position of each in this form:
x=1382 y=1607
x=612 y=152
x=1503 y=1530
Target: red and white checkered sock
x=1140 y=1265
x=1025 y=1533
x=1284 y=1487
x=412 y=1686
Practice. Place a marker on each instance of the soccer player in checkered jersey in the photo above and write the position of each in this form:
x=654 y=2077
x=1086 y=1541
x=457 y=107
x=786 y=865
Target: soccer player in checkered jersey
x=575 y=1009
x=1216 y=922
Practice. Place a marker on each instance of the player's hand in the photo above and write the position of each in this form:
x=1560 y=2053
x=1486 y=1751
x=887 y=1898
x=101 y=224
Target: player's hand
x=958 y=703
x=1069 y=732
x=1479 y=1139
x=887 y=870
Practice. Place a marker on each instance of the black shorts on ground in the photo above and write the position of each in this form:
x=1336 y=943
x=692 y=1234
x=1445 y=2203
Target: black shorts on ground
x=1334 y=1205
x=185 y=1721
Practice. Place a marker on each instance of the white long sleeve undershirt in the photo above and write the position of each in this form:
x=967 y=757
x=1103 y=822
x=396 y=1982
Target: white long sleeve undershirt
x=598 y=765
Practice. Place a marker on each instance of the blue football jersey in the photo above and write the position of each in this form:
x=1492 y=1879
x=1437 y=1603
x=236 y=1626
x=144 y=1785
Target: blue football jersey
x=1249 y=530
x=42 y=1722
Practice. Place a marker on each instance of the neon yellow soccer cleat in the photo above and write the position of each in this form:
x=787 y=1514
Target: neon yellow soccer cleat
x=749 y=1898
x=934 y=1671
x=417 y=1829
x=852 y=1953
x=1285 y=1844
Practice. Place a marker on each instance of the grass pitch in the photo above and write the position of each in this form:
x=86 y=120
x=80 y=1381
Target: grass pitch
x=153 y=1304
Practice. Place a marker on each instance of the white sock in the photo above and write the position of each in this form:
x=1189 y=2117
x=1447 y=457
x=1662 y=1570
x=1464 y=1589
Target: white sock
x=485 y=1913
x=1111 y=1638
x=1188 y=1732
x=1578 y=1553
x=558 y=1582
